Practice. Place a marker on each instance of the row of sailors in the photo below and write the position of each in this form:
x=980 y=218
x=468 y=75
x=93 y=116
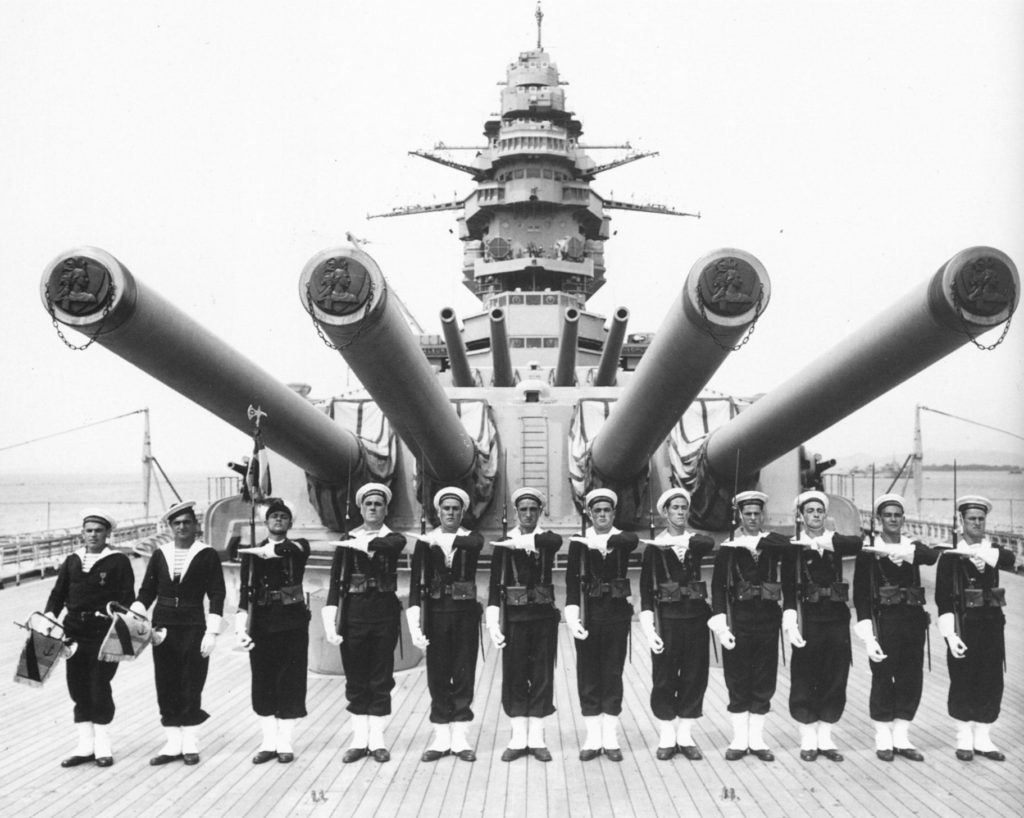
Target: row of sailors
x=762 y=583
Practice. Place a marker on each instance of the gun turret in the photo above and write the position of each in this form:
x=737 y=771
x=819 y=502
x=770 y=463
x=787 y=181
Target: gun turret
x=88 y=289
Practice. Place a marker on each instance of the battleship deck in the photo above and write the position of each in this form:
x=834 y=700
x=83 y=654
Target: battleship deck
x=37 y=733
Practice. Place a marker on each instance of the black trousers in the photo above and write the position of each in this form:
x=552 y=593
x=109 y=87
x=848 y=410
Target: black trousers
x=180 y=673
x=278 y=661
x=679 y=674
x=368 y=656
x=89 y=683
x=528 y=667
x=751 y=669
x=976 y=681
x=451 y=664
x=818 y=672
x=599 y=662
x=897 y=680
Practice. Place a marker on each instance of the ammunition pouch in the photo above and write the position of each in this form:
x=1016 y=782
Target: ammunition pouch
x=463 y=589
x=980 y=597
x=285 y=595
x=361 y=584
x=895 y=595
x=746 y=591
x=836 y=592
x=670 y=591
x=517 y=595
x=618 y=588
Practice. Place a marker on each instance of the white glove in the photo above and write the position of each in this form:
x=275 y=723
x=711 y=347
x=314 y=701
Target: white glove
x=208 y=644
x=138 y=608
x=412 y=616
x=985 y=556
x=264 y=552
x=717 y=625
x=329 y=616
x=493 y=628
x=159 y=634
x=572 y=619
x=244 y=640
x=947 y=628
x=874 y=650
x=650 y=632
x=360 y=542
x=790 y=628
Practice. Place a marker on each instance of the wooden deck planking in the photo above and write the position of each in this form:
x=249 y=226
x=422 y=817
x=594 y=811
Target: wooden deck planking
x=37 y=732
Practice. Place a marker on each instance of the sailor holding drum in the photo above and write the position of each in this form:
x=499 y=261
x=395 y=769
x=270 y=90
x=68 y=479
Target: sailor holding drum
x=362 y=616
x=972 y=622
x=521 y=586
x=87 y=580
x=674 y=616
x=443 y=589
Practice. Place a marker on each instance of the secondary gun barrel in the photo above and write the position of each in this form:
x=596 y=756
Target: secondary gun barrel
x=458 y=359
x=725 y=292
x=974 y=291
x=348 y=298
x=88 y=289
x=500 y=355
x=565 y=369
x=608 y=367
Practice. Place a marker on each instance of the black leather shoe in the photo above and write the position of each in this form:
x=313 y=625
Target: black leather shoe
x=541 y=753
x=991 y=755
x=160 y=760
x=690 y=752
x=466 y=755
x=886 y=755
x=613 y=754
x=285 y=758
x=965 y=755
x=433 y=755
x=831 y=755
x=764 y=754
x=589 y=755
x=354 y=754
x=808 y=755
x=191 y=759
x=74 y=761
x=381 y=755
x=665 y=753
x=105 y=761
x=514 y=753
x=909 y=753
x=263 y=756
x=734 y=755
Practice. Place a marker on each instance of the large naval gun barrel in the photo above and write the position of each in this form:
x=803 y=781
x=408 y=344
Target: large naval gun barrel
x=90 y=290
x=458 y=359
x=348 y=298
x=725 y=292
x=501 y=358
x=565 y=369
x=608 y=368
x=974 y=291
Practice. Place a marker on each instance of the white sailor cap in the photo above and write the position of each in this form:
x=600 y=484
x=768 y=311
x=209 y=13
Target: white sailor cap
x=451 y=491
x=527 y=492
x=188 y=506
x=277 y=504
x=601 y=494
x=367 y=489
x=973 y=501
x=98 y=515
x=805 y=497
x=889 y=500
x=668 y=495
x=747 y=497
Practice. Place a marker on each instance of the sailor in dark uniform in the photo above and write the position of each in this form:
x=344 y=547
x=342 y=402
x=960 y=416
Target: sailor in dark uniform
x=362 y=615
x=671 y=588
x=88 y=579
x=746 y=599
x=813 y=579
x=598 y=614
x=272 y=623
x=443 y=585
x=971 y=620
x=181 y=577
x=892 y=623
x=521 y=585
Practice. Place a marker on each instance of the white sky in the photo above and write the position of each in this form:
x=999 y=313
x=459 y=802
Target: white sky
x=215 y=147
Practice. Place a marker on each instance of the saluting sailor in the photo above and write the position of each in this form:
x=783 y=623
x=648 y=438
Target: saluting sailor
x=813 y=579
x=598 y=614
x=892 y=623
x=87 y=580
x=272 y=623
x=443 y=585
x=971 y=620
x=746 y=600
x=181 y=578
x=521 y=567
x=362 y=615
x=671 y=587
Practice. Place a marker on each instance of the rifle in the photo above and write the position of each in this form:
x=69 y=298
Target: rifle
x=346 y=565
x=584 y=565
x=735 y=528
x=799 y=584
x=424 y=590
x=872 y=579
x=502 y=609
x=650 y=494
x=958 y=580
